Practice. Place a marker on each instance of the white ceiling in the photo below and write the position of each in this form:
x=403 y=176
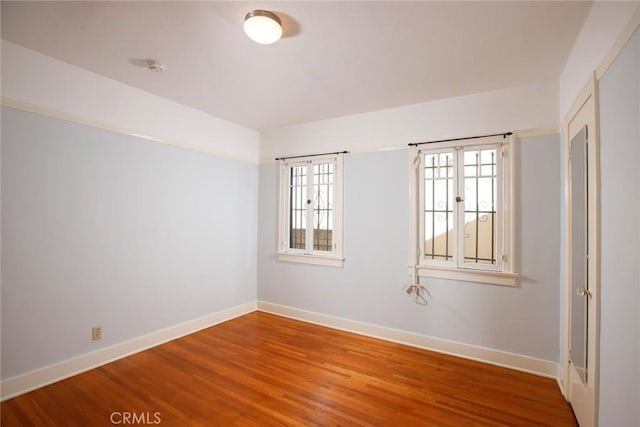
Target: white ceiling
x=337 y=58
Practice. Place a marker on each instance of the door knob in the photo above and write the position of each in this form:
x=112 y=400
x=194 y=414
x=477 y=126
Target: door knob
x=583 y=292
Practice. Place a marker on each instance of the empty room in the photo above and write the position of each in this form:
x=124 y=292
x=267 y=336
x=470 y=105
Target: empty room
x=320 y=213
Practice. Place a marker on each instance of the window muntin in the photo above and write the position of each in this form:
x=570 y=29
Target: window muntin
x=323 y=206
x=310 y=206
x=438 y=214
x=298 y=207
x=461 y=194
x=481 y=201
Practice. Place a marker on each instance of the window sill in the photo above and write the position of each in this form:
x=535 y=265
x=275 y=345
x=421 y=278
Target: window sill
x=312 y=259
x=479 y=276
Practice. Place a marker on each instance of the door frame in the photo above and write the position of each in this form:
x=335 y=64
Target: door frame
x=588 y=95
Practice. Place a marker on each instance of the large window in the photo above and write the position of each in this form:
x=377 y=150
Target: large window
x=311 y=210
x=462 y=202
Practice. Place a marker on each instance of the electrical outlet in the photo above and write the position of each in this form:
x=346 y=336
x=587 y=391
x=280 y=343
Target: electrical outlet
x=96 y=333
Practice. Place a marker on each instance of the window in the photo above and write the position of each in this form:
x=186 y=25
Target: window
x=462 y=203
x=311 y=210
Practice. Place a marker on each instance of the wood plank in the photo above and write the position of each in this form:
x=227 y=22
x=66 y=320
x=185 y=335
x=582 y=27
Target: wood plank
x=266 y=370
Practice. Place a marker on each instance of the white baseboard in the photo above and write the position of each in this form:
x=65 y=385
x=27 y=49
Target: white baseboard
x=21 y=384
x=518 y=362
x=561 y=387
x=24 y=383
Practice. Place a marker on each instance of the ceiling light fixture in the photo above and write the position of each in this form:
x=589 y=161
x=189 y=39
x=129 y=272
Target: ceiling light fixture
x=263 y=27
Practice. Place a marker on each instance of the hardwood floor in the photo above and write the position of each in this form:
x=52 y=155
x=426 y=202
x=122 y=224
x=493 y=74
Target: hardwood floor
x=266 y=370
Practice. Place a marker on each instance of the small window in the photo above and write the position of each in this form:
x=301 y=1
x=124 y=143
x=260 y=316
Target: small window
x=311 y=210
x=462 y=226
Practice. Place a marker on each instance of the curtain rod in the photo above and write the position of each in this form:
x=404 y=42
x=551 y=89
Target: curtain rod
x=504 y=135
x=311 y=155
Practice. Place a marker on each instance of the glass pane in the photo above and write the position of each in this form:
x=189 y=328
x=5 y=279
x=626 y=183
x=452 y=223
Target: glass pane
x=323 y=206
x=579 y=260
x=438 y=206
x=480 y=205
x=298 y=207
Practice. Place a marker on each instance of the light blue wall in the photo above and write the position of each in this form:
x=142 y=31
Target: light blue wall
x=620 y=240
x=521 y=320
x=376 y=243
x=103 y=228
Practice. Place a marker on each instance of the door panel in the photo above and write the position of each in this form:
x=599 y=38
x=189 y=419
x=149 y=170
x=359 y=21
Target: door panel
x=579 y=240
x=583 y=259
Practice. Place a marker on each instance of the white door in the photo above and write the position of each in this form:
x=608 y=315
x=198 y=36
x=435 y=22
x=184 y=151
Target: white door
x=583 y=274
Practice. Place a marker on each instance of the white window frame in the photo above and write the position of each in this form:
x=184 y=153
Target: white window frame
x=503 y=271
x=333 y=258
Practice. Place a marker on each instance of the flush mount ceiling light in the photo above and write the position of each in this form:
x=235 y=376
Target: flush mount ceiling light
x=262 y=26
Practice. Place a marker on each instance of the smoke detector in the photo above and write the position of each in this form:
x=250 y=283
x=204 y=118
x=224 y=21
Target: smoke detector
x=154 y=65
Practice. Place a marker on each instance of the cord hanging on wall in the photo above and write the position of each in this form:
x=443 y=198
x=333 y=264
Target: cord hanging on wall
x=415 y=289
x=419 y=293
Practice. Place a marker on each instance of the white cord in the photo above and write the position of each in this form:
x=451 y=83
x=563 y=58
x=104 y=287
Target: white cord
x=419 y=292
